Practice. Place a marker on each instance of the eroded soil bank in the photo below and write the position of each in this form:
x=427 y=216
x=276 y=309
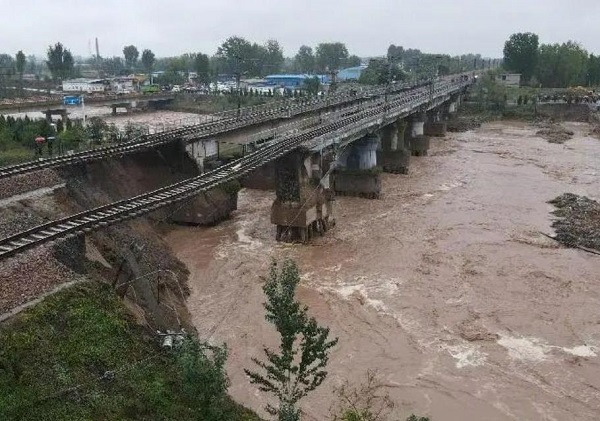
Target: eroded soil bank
x=446 y=285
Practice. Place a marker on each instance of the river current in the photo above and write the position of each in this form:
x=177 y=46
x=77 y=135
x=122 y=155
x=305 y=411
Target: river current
x=447 y=285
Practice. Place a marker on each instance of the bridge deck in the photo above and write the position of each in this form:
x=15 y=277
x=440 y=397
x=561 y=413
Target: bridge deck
x=223 y=123
x=343 y=129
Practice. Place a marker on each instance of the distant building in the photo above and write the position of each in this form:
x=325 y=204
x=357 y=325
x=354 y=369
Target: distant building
x=286 y=81
x=509 y=79
x=124 y=84
x=350 y=73
x=84 y=85
x=293 y=82
x=192 y=76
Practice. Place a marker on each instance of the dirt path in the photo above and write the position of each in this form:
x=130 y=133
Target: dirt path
x=446 y=285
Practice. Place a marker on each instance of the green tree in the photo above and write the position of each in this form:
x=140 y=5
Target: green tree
x=312 y=85
x=20 y=62
x=594 y=70
x=148 y=60
x=96 y=127
x=273 y=58
x=180 y=64
x=73 y=136
x=170 y=78
x=204 y=379
x=202 y=67
x=299 y=367
x=131 y=54
x=562 y=65
x=304 y=61
x=491 y=95
x=380 y=72
x=60 y=62
x=32 y=65
x=395 y=52
x=7 y=71
x=353 y=61
x=114 y=66
x=331 y=56
x=236 y=54
x=521 y=54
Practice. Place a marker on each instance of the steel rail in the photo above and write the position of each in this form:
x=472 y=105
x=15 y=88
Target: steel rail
x=247 y=117
x=129 y=208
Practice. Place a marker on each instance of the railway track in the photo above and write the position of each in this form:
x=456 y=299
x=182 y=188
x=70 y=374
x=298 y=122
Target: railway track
x=122 y=210
x=228 y=121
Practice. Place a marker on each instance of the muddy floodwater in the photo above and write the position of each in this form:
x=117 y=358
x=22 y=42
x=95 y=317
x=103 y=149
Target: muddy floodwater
x=447 y=285
x=156 y=121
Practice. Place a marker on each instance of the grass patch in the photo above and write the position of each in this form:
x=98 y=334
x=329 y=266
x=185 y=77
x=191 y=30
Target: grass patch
x=79 y=356
x=15 y=155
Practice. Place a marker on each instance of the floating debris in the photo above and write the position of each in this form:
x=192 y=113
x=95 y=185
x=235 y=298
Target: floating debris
x=555 y=133
x=579 y=221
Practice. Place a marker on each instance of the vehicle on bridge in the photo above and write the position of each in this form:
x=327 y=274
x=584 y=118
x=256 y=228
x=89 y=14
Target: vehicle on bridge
x=150 y=89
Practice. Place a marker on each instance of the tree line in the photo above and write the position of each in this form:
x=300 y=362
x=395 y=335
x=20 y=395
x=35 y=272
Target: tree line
x=551 y=65
x=235 y=56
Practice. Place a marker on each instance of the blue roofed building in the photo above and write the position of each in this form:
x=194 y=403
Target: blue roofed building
x=292 y=81
x=350 y=73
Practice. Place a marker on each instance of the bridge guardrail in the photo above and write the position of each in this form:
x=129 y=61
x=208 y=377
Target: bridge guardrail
x=102 y=216
x=223 y=124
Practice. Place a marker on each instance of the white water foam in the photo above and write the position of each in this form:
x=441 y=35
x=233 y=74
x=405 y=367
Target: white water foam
x=536 y=350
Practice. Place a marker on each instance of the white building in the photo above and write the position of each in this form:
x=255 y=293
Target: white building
x=84 y=85
x=123 y=85
x=509 y=79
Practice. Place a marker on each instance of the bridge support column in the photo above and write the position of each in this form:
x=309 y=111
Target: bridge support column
x=419 y=143
x=394 y=157
x=453 y=105
x=303 y=207
x=357 y=173
x=435 y=126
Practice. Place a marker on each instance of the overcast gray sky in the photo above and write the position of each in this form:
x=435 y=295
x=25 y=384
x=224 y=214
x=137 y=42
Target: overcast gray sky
x=172 y=27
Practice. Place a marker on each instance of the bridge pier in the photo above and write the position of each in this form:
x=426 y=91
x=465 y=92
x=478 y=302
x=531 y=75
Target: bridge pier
x=454 y=104
x=303 y=207
x=356 y=171
x=393 y=156
x=61 y=112
x=419 y=143
x=435 y=126
x=199 y=150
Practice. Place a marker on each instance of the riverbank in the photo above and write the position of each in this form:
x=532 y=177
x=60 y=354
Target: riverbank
x=80 y=355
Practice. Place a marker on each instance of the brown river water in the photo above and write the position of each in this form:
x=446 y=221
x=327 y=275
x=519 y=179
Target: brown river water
x=446 y=285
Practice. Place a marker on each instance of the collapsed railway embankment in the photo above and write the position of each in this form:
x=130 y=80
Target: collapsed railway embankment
x=117 y=254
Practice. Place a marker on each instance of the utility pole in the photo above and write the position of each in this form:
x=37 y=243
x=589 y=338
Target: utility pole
x=83 y=108
x=390 y=63
x=332 y=86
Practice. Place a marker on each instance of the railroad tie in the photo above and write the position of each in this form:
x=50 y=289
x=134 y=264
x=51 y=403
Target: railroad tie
x=20 y=243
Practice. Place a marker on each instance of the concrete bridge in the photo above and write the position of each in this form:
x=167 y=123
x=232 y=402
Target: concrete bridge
x=341 y=155
x=200 y=146
x=350 y=161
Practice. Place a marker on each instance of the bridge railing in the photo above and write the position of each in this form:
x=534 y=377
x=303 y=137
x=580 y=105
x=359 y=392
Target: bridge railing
x=399 y=106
